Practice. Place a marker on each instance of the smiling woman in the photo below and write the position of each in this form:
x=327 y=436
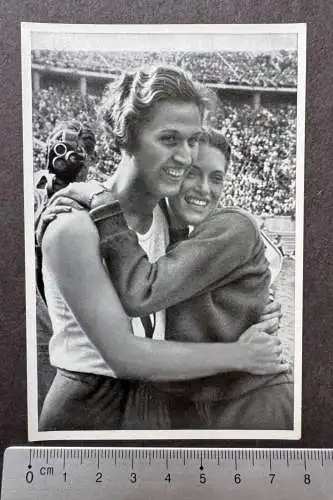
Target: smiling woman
x=202 y=187
x=167 y=146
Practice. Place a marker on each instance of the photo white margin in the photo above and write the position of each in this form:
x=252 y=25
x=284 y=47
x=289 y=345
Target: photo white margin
x=27 y=29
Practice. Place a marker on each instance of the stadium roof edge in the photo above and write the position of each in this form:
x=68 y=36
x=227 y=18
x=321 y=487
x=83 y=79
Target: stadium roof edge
x=74 y=73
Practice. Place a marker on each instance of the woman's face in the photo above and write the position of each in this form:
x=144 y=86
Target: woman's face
x=166 y=146
x=202 y=186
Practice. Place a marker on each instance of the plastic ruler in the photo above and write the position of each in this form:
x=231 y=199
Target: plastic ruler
x=88 y=473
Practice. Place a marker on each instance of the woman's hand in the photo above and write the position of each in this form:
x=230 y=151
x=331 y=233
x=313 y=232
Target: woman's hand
x=272 y=311
x=87 y=194
x=61 y=205
x=75 y=196
x=263 y=354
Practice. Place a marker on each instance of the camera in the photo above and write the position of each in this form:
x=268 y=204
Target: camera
x=67 y=150
x=65 y=161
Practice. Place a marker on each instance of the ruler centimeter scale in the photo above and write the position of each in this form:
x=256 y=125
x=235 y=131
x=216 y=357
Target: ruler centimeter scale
x=85 y=473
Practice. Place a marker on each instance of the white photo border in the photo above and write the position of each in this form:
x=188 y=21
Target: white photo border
x=178 y=31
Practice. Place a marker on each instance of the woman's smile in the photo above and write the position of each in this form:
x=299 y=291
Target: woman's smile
x=196 y=202
x=175 y=173
x=202 y=186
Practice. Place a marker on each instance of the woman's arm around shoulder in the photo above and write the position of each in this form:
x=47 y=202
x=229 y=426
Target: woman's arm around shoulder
x=216 y=248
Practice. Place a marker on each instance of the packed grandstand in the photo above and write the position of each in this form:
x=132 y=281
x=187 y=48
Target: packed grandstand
x=262 y=176
x=276 y=69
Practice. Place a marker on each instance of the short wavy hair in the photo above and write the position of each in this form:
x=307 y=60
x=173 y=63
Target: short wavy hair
x=127 y=103
x=216 y=139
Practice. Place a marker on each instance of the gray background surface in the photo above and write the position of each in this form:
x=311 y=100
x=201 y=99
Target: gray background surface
x=318 y=263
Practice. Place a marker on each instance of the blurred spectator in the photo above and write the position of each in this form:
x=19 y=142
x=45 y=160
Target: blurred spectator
x=277 y=240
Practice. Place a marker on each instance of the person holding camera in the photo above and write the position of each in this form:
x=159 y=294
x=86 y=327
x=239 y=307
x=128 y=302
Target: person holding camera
x=70 y=148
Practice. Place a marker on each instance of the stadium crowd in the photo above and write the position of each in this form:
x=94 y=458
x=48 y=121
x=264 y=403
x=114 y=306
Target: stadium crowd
x=276 y=69
x=262 y=175
x=262 y=178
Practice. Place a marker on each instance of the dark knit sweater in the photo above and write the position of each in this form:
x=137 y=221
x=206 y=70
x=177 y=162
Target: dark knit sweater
x=214 y=284
x=220 y=269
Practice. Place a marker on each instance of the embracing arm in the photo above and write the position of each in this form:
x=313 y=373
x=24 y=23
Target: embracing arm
x=219 y=251
x=71 y=249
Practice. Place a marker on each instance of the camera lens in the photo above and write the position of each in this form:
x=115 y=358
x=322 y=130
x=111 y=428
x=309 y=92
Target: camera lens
x=60 y=149
x=66 y=162
x=74 y=158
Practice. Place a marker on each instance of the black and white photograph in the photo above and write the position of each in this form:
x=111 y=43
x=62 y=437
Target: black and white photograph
x=164 y=189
